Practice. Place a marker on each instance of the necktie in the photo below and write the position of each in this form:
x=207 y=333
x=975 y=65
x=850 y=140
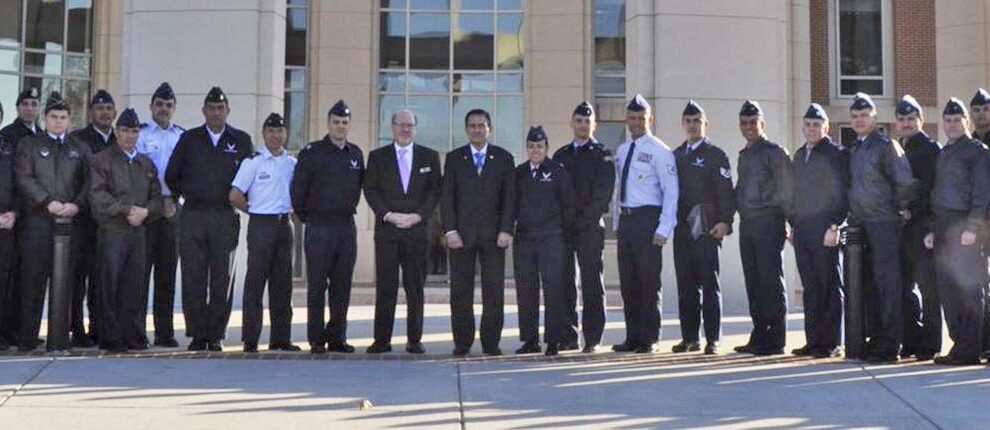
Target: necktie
x=404 y=169
x=532 y=172
x=479 y=161
x=625 y=172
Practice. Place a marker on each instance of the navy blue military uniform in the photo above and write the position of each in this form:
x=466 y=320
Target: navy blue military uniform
x=265 y=179
x=48 y=168
x=544 y=207
x=201 y=171
x=325 y=192
x=584 y=241
x=922 y=311
x=646 y=173
x=87 y=277
x=8 y=203
x=821 y=179
x=120 y=181
x=12 y=135
x=706 y=198
x=763 y=192
x=959 y=200
x=881 y=186
x=982 y=98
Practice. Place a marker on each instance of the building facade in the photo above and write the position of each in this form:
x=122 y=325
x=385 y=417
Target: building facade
x=526 y=61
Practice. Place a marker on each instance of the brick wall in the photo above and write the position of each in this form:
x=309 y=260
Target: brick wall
x=914 y=50
x=819 y=51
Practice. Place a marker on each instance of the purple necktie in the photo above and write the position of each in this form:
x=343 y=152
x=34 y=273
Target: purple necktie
x=404 y=169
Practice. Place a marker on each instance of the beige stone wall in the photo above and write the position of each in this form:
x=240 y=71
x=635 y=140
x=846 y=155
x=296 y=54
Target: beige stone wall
x=962 y=54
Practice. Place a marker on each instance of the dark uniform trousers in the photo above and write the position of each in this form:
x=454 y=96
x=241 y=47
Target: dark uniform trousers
x=819 y=268
x=37 y=242
x=539 y=266
x=269 y=241
x=87 y=273
x=462 y=270
x=163 y=256
x=7 y=264
x=206 y=238
x=406 y=249
x=122 y=263
x=883 y=286
x=922 y=310
x=761 y=245
x=961 y=274
x=331 y=251
x=698 y=289
x=585 y=246
x=639 y=274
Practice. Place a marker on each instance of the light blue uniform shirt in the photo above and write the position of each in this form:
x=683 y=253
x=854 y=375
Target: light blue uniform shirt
x=157 y=144
x=652 y=181
x=265 y=180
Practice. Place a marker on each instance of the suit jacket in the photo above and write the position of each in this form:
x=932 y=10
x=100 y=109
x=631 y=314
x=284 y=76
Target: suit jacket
x=383 y=186
x=477 y=206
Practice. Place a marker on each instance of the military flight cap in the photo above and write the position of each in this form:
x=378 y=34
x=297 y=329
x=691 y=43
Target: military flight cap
x=216 y=95
x=692 y=108
x=128 y=119
x=537 y=134
x=29 y=93
x=55 y=102
x=584 y=109
x=982 y=98
x=101 y=97
x=340 y=109
x=907 y=106
x=639 y=104
x=863 y=101
x=751 y=108
x=164 y=92
x=955 y=107
x=816 y=111
x=274 y=120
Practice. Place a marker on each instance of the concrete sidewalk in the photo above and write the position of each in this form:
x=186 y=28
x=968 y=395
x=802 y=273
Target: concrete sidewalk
x=608 y=390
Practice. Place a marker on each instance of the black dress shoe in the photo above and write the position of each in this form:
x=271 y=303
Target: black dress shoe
x=116 y=348
x=214 y=345
x=197 y=345
x=139 y=346
x=4 y=345
x=529 y=348
x=552 y=350
x=745 y=349
x=415 y=348
x=288 y=347
x=878 y=358
x=924 y=355
x=907 y=351
x=250 y=347
x=569 y=346
x=81 y=340
x=378 y=348
x=766 y=352
x=624 y=347
x=494 y=352
x=461 y=352
x=685 y=346
x=343 y=347
x=950 y=360
x=166 y=342
x=711 y=348
x=649 y=348
x=803 y=351
x=592 y=349
x=317 y=348
x=26 y=347
x=827 y=352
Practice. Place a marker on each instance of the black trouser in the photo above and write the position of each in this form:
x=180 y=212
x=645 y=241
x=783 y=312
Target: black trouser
x=699 y=293
x=462 y=269
x=163 y=256
x=8 y=310
x=36 y=247
x=922 y=309
x=206 y=239
x=761 y=245
x=819 y=268
x=87 y=277
x=405 y=249
x=538 y=265
x=640 y=264
x=962 y=277
x=883 y=287
x=331 y=251
x=585 y=247
x=122 y=260
x=269 y=241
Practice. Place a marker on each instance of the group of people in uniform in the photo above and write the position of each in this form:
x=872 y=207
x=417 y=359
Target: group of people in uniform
x=135 y=197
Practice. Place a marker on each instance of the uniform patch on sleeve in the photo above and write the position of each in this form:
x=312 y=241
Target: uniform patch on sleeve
x=672 y=170
x=725 y=172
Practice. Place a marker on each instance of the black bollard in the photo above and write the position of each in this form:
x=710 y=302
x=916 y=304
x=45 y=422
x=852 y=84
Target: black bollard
x=855 y=321
x=60 y=294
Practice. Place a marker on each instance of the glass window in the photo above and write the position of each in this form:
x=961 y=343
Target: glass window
x=10 y=24
x=610 y=47
x=295 y=36
x=80 y=25
x=295 y=102
x=485 y=72
x=45 y=22
x=860 y=37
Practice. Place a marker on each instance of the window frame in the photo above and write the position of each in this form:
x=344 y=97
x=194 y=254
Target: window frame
x=887 y=45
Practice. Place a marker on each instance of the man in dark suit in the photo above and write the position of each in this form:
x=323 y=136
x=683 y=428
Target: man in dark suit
x=402 y=186
x=477 y=211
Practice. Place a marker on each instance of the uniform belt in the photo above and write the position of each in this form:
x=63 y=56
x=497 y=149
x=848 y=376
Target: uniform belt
x=205 y=204
x=638 y=210
x=278 y=217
